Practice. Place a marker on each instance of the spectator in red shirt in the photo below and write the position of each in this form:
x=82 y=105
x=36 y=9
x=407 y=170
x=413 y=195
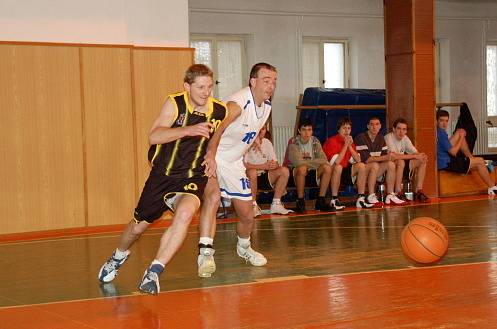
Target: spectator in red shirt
x=346 y=162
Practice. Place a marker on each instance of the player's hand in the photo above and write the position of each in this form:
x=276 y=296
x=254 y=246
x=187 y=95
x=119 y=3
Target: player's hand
x=461 y=132
x=210 y=166
x=348 y=140
x=200 y=129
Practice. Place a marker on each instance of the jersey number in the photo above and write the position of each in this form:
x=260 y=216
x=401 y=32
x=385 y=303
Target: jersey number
x=249 y=136
x=245 y=183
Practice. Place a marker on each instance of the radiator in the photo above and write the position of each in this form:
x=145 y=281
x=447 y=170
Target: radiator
x=481 y=145
x=281 y=135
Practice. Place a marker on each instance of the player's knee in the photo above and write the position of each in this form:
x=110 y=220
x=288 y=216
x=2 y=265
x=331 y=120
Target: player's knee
x=390 y=166
x=338 y=169
x=183 y=216
x=400 y=164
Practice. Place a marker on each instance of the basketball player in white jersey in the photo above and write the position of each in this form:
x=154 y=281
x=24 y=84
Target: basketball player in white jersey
x=248 y=110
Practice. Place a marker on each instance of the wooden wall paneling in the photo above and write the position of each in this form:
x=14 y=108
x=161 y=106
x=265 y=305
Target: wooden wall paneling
x=108 y=126
x=41 y=134
x=157 y=73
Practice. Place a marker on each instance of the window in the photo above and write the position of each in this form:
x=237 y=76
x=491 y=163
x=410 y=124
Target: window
x=324 y=63
x=225 y=55
x=491 y=56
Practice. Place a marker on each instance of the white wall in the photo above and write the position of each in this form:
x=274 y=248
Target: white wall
x=137 y=22
x=275 y=30
x=466 y=28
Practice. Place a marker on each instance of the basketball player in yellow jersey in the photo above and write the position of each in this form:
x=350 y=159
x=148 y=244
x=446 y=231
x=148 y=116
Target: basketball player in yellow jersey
x=178 y=140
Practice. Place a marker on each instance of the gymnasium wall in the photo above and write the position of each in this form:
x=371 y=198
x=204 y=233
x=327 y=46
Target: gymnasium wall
x=133 y=22
x=74 y=122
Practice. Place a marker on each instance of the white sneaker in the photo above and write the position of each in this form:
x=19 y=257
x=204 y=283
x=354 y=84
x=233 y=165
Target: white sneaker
x=336 y=204
x=362 y=203
x=250 y=255
x=392 y=198
x=372 y=199
x=492 y=190
x=257 y=210
x=206 y=263
x=279 y=208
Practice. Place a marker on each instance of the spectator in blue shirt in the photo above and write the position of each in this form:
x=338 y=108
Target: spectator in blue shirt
x=453 y=153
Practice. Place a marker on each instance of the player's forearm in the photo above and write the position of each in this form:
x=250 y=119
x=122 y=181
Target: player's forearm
x=162 y=135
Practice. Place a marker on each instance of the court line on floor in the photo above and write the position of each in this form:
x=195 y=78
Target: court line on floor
x=255 y=282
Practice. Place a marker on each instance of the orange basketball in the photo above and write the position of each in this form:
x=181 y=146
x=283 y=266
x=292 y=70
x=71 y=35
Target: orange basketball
x=424 y=240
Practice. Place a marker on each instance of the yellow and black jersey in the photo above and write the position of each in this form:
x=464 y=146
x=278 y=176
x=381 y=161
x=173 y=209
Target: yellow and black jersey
x=182 y=158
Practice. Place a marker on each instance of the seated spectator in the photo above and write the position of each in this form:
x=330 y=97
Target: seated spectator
x=306 y=157
x=374 y=153
x=409 y=160
x=263 y=171
x=453 y=153
x=346 y=162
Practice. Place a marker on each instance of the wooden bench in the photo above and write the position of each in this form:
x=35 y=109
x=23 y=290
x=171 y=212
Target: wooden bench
x=454 y=184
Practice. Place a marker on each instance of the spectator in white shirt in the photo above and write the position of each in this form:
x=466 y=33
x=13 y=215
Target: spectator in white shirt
x=408 y=160
x=264 y=172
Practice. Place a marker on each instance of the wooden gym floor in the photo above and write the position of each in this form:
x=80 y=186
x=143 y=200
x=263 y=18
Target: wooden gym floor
x=325 y=270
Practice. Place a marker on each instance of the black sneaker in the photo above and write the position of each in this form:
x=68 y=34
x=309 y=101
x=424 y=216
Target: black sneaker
x=300 y=206
x=321 y=205
x=336 y=204
x=421 y=197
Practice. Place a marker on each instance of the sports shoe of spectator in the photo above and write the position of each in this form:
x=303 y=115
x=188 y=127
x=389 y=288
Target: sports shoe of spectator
x=321 y=205
x=421 y=197
x=372 y=199
x=392 y=198
x=336 y=204
x=492 y=190
x=109 y=270
x=279 y=208
x=362 y=203
x=300 y=206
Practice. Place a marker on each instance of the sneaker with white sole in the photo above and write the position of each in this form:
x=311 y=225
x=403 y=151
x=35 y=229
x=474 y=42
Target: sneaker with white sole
x=206 y=263
x=250 y=255
x=372 y=199
x=393 y=198
x=362 y=203
x=492 y=190
x=150 y=281
x=279 y=208
x=336 y=204
x=257 y=210
x=109 y=270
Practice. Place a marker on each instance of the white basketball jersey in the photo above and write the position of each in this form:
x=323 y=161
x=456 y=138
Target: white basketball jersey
x=241 y=133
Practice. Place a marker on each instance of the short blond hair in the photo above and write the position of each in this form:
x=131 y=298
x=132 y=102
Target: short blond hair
x=195 y=71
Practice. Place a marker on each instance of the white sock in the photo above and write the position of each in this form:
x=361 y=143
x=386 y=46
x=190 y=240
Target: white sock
x=206 y=240
x=245 y=243
x=120 y=254
x=276 y=201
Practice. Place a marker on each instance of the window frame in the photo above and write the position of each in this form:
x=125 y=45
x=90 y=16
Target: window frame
x=346 y=58
x=491 y=118
x=214 y=39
